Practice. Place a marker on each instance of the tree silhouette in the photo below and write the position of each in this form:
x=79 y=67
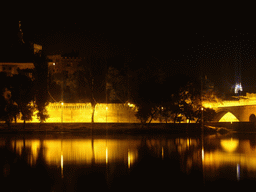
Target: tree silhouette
x=90 y=76
x=23 y=94
x=91 y=81
x=8 y=109
x=41 y=85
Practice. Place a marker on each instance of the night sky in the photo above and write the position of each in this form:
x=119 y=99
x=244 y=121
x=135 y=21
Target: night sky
x=216 y=41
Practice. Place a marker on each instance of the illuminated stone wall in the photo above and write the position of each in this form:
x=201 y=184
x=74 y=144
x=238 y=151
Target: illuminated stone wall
x=82 y=112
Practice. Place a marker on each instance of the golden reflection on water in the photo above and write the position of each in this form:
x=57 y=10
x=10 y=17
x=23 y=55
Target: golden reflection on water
x=216 y=153
x=233 y=155
x=229 y=145
x=79 y=151
x=239 y=152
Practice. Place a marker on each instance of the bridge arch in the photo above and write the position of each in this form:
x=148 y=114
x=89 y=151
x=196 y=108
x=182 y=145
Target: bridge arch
x=252 y=118
x=226 y=116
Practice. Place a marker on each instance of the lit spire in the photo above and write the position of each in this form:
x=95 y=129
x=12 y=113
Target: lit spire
x=238 y=87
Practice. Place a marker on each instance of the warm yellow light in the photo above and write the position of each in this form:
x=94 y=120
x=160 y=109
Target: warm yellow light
x=131 y=105
x=61 y=164
x=62 y=103
x=129 y=160
x=228 y=117
x=80 y=151
x=106 y=155
x=53 y=63
x=229 y=145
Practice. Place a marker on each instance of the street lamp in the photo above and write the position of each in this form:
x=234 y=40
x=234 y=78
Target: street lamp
x=202 y=116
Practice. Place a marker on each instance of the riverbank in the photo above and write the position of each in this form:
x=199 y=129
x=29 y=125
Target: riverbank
x=107 y=128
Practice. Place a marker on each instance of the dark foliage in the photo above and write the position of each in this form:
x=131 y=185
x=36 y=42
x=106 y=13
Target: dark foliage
x=23 y=94
x=41 y=85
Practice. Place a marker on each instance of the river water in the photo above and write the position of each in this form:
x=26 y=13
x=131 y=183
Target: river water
x=66 y=162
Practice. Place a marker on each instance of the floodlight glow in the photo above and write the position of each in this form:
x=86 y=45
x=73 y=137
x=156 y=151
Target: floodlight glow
x=238 y=87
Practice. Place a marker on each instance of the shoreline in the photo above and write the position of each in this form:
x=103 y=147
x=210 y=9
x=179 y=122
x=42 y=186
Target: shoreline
x=107 y=128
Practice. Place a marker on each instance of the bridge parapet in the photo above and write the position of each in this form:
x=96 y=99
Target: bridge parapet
x=242 y=108
x=249 y=99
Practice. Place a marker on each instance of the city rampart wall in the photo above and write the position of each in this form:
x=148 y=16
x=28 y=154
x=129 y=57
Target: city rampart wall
x=82 y=112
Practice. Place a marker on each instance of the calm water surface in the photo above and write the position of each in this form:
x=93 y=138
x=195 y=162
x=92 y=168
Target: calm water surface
x=63 y=162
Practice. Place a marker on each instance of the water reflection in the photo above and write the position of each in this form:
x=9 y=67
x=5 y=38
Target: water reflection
x=78 y=151
x=73 y=162
x=230 y=158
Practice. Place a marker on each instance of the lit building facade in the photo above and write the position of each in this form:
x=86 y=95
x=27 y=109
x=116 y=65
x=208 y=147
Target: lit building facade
x=59 y=64
x=12 y=68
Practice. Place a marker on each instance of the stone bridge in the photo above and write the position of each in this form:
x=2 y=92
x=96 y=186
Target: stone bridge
x=241 y=109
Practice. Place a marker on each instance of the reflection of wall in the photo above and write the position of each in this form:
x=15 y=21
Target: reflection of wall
x=80 y=151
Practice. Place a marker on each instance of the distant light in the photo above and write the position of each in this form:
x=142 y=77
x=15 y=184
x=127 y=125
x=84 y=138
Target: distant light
x=202 y=108
x=106 y=155
x=129 y=159
x=203 y=154
x=131 y=105
x=61 y=164
x=62 y=103
x=238 y=87
x=106 y=108
x=238 y=172
x=53 y=63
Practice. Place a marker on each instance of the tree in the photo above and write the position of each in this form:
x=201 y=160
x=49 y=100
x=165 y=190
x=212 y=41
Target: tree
x=144 y=112
x=117 y=86
x=94 y=81
x=91 y=77
x=8 y=110
x=173 y=97
x=208 y=114
x=41 y=85
x=147 y=94
x=189 y=98
x=23 y=94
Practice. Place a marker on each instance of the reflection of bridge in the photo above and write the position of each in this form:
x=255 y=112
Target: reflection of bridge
x=240 y=109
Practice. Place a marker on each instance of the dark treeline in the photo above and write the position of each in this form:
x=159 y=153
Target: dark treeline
x=25 y=92
x=169 y=97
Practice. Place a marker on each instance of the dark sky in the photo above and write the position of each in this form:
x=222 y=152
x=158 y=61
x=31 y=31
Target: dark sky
x=214 y=40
